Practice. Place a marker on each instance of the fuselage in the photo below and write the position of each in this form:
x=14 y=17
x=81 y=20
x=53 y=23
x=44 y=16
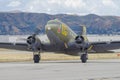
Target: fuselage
x=60 y=35
x=61 y=30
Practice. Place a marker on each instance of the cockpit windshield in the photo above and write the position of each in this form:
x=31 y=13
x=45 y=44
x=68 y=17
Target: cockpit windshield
x=57 y=22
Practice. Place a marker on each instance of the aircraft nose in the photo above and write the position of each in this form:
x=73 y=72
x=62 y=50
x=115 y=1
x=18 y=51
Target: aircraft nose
x=47 y=27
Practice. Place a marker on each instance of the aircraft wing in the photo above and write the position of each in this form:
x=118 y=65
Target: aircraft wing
x=24 y=46
x=15 y=46
x=105 y=46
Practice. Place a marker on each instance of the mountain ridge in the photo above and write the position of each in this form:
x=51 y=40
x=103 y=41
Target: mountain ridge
x=26 y=23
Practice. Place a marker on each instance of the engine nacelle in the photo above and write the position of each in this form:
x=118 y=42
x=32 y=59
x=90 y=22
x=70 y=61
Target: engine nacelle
x=31 y=40
x=34 y=43
x=79 y=39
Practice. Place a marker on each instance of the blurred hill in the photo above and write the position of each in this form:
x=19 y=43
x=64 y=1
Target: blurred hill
x=26 y=23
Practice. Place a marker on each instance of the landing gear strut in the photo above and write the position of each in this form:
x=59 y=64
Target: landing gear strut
x=36 y=57
x=84 y=58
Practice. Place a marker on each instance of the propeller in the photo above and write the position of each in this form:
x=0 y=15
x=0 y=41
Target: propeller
x=82 y=40
x=32 y=39
x=79 y=39
x=82 y=33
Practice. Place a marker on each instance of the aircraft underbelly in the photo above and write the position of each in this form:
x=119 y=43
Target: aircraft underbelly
x=55 y=41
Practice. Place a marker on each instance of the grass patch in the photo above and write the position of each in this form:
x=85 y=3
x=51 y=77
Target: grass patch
x=18 y=56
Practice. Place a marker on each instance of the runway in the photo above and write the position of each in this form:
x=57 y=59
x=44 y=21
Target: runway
x=61 y=70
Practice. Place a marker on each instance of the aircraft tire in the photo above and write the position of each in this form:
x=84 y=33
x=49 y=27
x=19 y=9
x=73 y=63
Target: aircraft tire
x=84 y=58
x=36 y=58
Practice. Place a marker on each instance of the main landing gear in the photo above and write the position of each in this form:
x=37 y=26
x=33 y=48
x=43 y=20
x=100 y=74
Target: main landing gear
x=84 y=57
x=36 y=57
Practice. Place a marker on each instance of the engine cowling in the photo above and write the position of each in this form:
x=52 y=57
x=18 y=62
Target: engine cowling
x=34 y=43
x=79 y=39
x=31 y=40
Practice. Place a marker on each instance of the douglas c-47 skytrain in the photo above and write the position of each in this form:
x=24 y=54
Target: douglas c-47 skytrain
x=62 y=40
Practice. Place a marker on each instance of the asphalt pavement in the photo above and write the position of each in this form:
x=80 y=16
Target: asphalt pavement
x=61 y=70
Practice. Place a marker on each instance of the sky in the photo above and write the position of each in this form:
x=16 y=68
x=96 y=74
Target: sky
x=79 y=7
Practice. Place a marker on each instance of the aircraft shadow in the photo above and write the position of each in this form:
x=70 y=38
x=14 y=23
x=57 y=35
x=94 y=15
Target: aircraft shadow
x=72 y=61
x=78 y=61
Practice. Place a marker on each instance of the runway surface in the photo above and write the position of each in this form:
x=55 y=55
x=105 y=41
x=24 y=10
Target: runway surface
x=61 y=70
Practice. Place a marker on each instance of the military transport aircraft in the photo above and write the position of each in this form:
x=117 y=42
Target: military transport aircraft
x=62 y=40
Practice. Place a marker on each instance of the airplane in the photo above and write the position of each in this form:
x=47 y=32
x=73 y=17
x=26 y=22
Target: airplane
x=62 y=40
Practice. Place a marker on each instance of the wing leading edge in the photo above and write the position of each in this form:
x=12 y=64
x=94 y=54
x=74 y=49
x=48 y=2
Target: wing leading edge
x=105 y=46
x=15 y=46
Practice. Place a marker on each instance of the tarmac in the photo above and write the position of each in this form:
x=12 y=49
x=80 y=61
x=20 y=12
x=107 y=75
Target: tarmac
x=61 y=70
